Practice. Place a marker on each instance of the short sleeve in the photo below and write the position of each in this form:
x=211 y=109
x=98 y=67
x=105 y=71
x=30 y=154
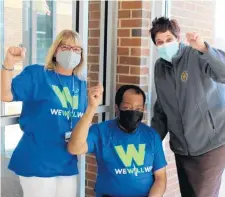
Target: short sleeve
x=159 y=157
x=22 y=86
x=93 y=139
x=84 y=95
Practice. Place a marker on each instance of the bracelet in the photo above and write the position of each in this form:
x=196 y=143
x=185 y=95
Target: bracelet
x=8 y=69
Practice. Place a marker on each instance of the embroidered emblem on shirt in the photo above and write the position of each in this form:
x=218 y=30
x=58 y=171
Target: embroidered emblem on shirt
x=184 y=76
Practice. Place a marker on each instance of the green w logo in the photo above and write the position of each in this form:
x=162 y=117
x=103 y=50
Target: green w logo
x=131 y=154
x=66 y=98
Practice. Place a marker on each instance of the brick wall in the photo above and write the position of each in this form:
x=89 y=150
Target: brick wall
x=196 y=16
x=133 y=44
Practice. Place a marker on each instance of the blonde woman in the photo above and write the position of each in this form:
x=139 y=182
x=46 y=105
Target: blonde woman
x=54 y=99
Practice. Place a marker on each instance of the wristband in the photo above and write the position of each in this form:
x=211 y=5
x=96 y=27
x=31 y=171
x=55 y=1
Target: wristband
x=8 y=69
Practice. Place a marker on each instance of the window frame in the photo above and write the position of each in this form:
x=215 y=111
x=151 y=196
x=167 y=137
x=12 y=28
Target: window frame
x=159 y=8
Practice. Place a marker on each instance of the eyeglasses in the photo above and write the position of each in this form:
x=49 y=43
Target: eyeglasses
x=75 y=49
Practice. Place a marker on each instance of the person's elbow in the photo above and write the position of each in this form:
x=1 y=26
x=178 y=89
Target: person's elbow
x=6 y=96
x=77 y=149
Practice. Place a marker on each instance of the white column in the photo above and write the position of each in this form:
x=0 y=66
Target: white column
x=83 y=31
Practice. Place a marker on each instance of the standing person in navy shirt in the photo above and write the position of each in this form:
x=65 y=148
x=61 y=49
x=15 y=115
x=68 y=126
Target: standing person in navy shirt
x=54 y=99
x=129 y=154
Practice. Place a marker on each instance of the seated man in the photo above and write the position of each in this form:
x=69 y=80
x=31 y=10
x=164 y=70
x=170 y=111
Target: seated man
x=129 y=154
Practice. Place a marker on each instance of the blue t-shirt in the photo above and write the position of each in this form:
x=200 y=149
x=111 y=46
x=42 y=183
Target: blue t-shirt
x=42 y=150
x=126 y=162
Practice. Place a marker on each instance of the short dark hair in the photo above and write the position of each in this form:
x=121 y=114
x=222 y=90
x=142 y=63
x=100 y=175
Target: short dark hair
x=164 y=24
x=120 y=92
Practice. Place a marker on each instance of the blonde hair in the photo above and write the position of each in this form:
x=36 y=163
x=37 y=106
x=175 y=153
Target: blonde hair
x=51 y=59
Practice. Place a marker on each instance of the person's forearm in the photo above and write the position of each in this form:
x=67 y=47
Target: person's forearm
x=6 y=82
x=216 y=61
x=158 y=189
x=80 y=132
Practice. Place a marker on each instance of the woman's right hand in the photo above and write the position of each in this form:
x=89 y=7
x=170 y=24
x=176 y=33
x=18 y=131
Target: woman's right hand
x=95 y=95
x=14 y=55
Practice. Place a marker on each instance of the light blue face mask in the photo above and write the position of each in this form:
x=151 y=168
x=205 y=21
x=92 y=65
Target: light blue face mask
x=168 y=50
x=68 y=59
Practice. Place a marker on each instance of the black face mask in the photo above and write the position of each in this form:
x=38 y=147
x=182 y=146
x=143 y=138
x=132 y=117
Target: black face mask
x=130 y=119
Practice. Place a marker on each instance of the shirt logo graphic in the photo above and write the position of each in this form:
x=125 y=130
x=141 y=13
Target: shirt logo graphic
x=184 y=76
x=65 y=97
x=131 y=155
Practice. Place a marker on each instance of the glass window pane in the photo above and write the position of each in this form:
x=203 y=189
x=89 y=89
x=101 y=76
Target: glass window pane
x=63 y=15
x=12 y=136
x=44 y=33
x=13 y=34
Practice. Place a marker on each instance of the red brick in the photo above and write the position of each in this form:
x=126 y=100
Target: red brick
x=130 y=60
x=94 y=33
x=93 y=41
x=123 y=32
x=140 y=32
x=134 y=42
x=89 y=192
x=140 y=52
x=131 y=23
x=93 y=24
x=130 y=41
x=94 y=6
x=94 y=67
x=91 y=168
x=94 y=15
x=93 y=76
x=93 y=59
x=123 y=69
x=129 y=79
x=131 y=5
x=94 y=50
x=139 y=70
x=91 y=176
x=91 y=159
x=122 y=51
x=91 y=184
x=124 y=14
x=141 y=14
